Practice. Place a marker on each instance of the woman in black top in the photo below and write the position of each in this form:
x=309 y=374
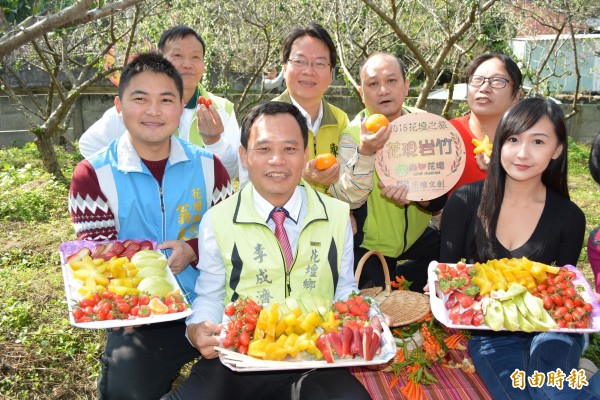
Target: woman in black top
x=521 y=209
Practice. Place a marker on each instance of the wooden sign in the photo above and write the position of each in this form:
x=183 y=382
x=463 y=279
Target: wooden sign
x=425 y=153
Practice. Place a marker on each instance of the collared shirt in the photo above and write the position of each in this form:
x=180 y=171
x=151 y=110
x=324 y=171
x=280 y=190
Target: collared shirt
x=210 y=286
x=313 y=126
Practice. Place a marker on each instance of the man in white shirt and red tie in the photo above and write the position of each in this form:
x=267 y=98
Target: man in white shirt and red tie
x=241 y=255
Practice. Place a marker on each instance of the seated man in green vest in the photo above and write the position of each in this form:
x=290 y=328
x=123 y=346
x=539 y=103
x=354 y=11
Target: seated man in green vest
x=242 y=256
x=386 y=220
x=214 y=127
x=309 y=59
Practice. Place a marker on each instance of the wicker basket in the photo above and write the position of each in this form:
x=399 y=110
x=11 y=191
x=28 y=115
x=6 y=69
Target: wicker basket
x=403 y=306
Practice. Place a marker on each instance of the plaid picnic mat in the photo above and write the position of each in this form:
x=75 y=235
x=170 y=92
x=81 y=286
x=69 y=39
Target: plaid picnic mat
x=453 y=384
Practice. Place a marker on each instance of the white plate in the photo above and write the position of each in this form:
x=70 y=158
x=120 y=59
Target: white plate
x=443 y=315
x=243 y=363
x=73 y=297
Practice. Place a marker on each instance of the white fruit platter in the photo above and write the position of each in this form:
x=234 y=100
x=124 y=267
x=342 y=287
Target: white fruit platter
x=73 y=296
x=442 y=311
x=244 y=363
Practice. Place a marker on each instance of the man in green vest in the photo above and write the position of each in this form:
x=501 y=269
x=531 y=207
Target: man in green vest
x=214 y=126
x=244 y=255
x=386 y=220
x=309 y=59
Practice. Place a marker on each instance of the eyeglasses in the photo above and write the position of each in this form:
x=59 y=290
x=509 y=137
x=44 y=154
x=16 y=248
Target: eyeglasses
x=302 y=64
x=495 y=82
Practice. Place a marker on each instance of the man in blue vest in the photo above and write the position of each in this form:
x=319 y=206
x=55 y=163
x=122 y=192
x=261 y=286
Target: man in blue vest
x=274 y=150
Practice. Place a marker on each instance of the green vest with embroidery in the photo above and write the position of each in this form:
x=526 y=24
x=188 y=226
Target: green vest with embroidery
x=328 y=137
x=253 y=259
x=390 y=228
x=219 y=103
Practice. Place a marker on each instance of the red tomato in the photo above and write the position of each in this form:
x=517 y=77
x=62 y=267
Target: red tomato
x=250 y=318
x=548 y=303
x=541 y=287
x=103 y=307
x=569 y=303
x=248 y=327
x=227 y=342
x=230 y=310
x=557 y=299
x=560 y=311
x=568 y=317
x=87 y=303
x=587 y=307
x=559 y=279
x=561 y=323
x=569 y=292
x=244 y=338
x=242 y=349
x=123 y=307
x=77 y=313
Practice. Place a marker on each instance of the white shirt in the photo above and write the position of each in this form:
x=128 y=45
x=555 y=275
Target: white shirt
x=210 y=286
x=110 y=126
x=313 y=126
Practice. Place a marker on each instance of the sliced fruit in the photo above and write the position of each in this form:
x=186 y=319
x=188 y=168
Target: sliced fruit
x=157 y=306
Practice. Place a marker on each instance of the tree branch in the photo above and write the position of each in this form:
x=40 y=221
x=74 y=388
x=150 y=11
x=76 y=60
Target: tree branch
x=74 y=15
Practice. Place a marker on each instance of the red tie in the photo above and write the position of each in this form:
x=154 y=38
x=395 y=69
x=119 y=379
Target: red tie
x=278 y=217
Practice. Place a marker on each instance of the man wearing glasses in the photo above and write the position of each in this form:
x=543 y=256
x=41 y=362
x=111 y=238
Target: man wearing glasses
x=309 y=57
x=494 y=86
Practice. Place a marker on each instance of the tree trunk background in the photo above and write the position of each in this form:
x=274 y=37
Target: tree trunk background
x=45 y=145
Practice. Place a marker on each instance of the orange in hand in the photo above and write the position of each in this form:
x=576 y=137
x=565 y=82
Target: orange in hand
x=324 y=161
x=376 y=122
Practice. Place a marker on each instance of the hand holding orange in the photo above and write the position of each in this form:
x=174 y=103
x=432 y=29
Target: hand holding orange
x=375 y=122
x=324 y=161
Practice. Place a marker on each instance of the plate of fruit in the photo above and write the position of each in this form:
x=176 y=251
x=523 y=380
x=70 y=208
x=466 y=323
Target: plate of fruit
x=307 y=332
x=512 y=294
x=119 y=283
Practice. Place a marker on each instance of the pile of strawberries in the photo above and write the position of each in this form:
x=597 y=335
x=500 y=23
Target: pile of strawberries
x=355 y=308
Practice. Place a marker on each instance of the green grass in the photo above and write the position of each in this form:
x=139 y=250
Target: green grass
x=41 y=355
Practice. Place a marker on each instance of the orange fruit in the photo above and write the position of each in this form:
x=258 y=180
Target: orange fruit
x=324 y=161
x=157 y=306
x=376 y=122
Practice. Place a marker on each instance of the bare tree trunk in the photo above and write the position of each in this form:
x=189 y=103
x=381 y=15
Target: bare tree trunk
x=45 y=145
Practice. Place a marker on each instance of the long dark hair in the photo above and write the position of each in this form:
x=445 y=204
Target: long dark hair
x=594 y=161
x=524 y=115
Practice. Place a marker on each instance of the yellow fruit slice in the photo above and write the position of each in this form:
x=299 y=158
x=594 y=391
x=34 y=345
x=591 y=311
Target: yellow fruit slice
x=157 y=306
x=482 y=146
x=120 y=290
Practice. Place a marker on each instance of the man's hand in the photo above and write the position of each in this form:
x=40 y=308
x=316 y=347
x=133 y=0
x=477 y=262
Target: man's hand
x=205 y=336
x=370 y=143
x=395 y=193
x=182 y=254
x=326 y=177
x=483 y=161
x=210 y=125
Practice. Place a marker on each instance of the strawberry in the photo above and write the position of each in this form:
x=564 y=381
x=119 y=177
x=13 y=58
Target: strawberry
x=355 y=310
x=341 y=307
x=364 y=307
